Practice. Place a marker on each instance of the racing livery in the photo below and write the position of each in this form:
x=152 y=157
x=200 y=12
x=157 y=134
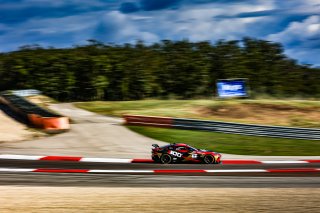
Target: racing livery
x=180 y=152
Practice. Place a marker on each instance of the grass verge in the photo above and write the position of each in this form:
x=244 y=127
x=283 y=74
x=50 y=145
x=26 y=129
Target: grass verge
x=233 y=144
x=273 y=112
x=300 y=113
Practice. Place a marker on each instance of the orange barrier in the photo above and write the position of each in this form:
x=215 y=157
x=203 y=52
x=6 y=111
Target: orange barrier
x=36 y=120
x=148 y=120
x=56 y=123
x=48 y=123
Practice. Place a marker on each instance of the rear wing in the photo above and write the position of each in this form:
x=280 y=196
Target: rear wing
x=155 y=145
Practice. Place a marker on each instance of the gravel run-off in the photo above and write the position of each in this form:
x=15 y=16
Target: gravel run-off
x=91 y=199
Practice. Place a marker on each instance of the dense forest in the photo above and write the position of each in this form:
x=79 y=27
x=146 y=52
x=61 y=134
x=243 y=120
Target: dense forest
x=168 y=69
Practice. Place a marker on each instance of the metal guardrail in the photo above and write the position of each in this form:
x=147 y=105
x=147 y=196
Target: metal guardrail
x=248 y=129
x=225 y=127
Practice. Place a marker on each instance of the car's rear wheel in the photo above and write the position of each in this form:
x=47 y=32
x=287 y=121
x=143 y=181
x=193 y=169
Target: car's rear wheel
x=208 y=159
x=166 y=159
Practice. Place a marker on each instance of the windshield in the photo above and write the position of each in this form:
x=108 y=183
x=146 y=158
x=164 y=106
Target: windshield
x=192 y=148
x=166 y=146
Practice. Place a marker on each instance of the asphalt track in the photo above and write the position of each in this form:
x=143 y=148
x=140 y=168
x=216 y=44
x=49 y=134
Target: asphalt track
x=238 y=180
x=141 y=166
x=98 y=136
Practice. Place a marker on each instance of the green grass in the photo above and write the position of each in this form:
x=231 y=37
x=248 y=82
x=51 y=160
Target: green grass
x=173 y=108
x=178 y=108
x=225 y=143
x=299 y=110
x=233 y=144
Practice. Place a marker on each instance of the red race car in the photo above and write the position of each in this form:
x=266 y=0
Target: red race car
x=180 y=153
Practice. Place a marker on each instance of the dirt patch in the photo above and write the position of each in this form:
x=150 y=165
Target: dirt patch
x=92 y=135
x=72 y=199
x=41 y=100
x=268 y=114
x=11 y=130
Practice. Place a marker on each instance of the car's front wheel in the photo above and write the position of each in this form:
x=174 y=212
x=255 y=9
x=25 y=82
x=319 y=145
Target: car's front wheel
x=166 y=159
x=208 y=159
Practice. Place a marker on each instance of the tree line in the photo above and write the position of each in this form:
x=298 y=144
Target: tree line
x=167 y=69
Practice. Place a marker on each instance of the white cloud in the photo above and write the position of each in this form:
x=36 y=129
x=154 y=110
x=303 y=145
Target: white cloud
x=53 y=25
x=314 y=28
x=305 y=55
x=125 y=28
x=299 y=31
x=192 y=21
x=58 y=32
x=14 y=5
x=198 y=23
x=311 y=2
x=302 y=40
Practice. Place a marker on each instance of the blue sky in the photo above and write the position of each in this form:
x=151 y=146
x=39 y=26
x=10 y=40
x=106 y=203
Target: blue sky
x=63 y=23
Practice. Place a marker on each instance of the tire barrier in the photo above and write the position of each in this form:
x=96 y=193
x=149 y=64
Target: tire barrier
x=148 y=121
x=37 y=116
x=228 y=127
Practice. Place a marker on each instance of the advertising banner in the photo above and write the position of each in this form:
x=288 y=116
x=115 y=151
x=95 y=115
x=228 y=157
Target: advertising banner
x=26 y=92
x=228 y=88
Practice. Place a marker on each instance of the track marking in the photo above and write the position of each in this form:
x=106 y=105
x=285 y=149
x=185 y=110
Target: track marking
x=293 y=170
x=119 y=160
x=15 y=170
x=21 y=157
x=241 y=162
x=179 y=171
x=61 y=158
x=282 y=162
x=120 y=171
x=235 y=170
x=163 y=171
x=61 y=170
x=106 y=160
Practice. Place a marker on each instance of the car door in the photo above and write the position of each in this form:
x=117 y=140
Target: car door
x=183 y=151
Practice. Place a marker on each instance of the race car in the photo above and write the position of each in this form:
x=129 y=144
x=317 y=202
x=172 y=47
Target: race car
x=183 y=153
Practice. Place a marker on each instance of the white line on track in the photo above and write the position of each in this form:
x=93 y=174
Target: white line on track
x=15 y=170
x=283 y=161
x=106 y=160
x=120 y=171
x=20 y=157
x=235 y=170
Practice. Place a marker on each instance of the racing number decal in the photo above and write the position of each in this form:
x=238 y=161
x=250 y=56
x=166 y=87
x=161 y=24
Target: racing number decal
x=177 y=154
x=194 y=155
